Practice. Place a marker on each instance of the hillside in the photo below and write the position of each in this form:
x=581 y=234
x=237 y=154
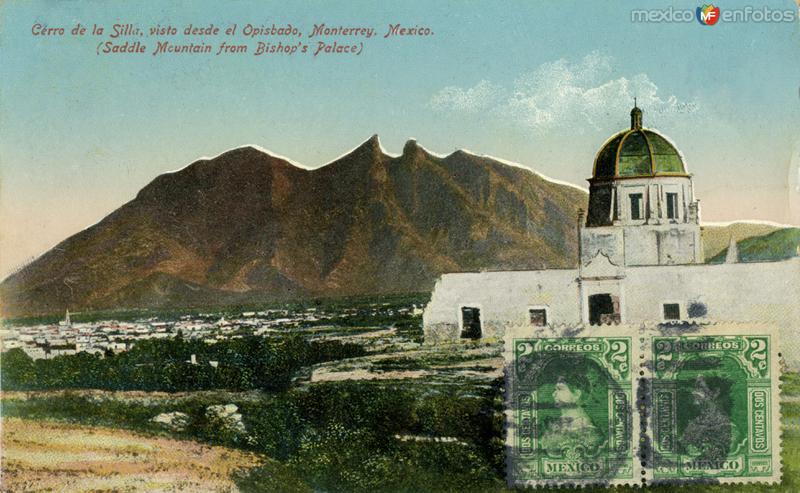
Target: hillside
x=249 y=226
x=717 y=237
x=778 y=245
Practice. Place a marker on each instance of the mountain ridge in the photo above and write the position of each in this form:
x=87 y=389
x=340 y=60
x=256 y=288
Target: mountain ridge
x=409 y=142
x=248 y=224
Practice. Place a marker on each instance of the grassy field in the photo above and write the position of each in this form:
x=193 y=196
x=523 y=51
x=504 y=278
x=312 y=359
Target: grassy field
x=403 y=417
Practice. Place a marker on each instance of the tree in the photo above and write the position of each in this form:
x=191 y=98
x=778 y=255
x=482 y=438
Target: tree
x=18 y=370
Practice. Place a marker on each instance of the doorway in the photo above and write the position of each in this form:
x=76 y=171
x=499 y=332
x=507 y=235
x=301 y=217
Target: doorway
x=470 y=322
x=603 y=309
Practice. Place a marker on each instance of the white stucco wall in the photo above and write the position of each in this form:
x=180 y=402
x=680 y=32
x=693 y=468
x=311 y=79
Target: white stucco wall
x=605 y=239
x=742 y=292
x=504 y=298
x=662 y=244
x=650 y=244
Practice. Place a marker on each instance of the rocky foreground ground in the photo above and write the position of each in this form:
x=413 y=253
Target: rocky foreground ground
x=47 y=456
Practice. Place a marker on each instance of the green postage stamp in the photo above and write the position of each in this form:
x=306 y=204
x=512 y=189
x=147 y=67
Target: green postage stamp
x=715 y=407
x=570 y=409
x=634 y=405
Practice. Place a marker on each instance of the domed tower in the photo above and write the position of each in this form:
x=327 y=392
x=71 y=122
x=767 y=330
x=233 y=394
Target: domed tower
x=642 y=209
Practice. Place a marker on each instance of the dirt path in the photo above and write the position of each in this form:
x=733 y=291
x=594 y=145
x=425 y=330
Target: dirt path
x=39 y=456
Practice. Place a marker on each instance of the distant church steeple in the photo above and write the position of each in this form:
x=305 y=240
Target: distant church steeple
x=64 y=324
x=636 y=116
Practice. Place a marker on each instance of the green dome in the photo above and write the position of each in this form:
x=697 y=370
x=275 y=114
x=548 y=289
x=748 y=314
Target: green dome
x=638 y=152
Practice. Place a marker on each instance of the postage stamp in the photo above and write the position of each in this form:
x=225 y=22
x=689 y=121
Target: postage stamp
x=715 y=406
x=570 y=410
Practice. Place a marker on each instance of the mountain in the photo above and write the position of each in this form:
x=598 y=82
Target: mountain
x=248 y=226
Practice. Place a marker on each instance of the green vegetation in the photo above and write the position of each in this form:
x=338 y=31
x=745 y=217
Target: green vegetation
x=440 y=433
x=778 y=245
x=716 y=238
x=336 y=436
x=243 y=364
x=341 y=436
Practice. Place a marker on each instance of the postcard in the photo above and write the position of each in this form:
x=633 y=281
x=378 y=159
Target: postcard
x=409 y=247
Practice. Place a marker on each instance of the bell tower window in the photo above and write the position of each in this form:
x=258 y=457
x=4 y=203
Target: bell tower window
x=672 y=206
x=637 y=211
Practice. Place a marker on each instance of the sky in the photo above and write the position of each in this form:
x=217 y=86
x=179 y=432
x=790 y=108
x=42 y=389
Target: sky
x=543 y=84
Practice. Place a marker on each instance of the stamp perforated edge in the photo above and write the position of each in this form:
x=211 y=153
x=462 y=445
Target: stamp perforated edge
x=734 y=329
x=526 y=332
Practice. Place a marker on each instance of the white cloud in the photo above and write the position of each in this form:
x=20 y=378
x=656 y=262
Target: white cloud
x=482 y=95
x=563 y=94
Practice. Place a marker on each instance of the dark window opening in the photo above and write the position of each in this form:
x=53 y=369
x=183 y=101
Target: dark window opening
x=672 y=206
x=672 y=311
x=603 y=309
x=600 y=206
x=470 y=322
x=636 y=205
x=538 y=317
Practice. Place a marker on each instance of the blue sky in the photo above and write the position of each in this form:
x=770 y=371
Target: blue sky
x=539 y=83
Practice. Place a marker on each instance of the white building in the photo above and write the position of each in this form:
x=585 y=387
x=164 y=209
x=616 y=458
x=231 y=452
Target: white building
x=640 y=262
